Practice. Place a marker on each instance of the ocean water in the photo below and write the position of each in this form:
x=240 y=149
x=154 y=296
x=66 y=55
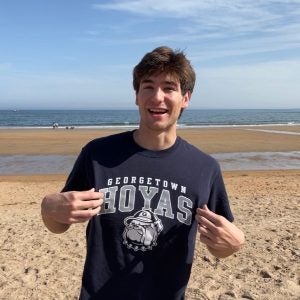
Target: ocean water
x=53 y=164
x=127 y=118
x=62 y=164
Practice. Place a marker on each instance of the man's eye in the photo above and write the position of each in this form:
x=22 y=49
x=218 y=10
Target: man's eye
x=170 y=88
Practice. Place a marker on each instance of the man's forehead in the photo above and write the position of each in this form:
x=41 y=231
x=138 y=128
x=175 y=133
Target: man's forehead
x=168 y=78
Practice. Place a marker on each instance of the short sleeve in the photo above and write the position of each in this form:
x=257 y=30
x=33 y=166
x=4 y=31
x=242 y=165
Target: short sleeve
x=218 y=200
x=79 y=178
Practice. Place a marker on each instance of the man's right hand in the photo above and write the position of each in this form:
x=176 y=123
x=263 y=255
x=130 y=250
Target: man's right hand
x=60 y=210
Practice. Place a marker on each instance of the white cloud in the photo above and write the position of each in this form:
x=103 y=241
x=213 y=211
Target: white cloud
x=240 y=11
x=254 y=43
x=222 y=28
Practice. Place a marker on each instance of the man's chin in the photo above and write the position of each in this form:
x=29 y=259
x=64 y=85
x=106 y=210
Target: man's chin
x=161 y=127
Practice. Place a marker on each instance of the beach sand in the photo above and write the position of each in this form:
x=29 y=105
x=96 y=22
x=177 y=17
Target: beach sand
x=36 y=264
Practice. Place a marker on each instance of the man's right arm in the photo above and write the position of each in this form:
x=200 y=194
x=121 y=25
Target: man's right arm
x=60 y=210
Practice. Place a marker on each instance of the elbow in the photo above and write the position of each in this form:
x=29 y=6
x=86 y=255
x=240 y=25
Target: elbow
x=57 y=229
x=53 y=226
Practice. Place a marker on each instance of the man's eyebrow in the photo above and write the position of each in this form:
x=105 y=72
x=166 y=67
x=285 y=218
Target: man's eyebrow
x=165 y=82
x=147 y=81
x=170 y=82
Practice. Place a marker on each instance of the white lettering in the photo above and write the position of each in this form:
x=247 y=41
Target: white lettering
x=148 y=193
x=164 y=206
x=174 y=186
x=129 y=206
x=121 y=194
x=185 y=216
x=108 y=206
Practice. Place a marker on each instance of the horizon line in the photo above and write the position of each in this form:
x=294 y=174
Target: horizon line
x=123 y=108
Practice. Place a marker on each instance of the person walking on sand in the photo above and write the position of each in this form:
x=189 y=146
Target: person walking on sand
x=145 y=193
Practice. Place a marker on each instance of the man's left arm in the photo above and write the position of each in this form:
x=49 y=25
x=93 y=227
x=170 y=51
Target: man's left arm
x=221 y=237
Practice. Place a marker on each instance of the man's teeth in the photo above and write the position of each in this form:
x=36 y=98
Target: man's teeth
x=158 y=111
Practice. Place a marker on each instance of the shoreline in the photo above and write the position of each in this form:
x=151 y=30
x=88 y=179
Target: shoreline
x=209 y=140
x=236 y=148
x=135 y=126
x=236 y=161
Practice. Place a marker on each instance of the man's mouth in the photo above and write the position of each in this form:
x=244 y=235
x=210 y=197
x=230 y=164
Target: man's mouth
x=158 y=111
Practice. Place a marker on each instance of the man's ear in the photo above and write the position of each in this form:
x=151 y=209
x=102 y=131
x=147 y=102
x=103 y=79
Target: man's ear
x=186 y=99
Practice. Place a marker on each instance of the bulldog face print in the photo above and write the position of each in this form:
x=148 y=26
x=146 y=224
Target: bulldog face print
x=142 y=230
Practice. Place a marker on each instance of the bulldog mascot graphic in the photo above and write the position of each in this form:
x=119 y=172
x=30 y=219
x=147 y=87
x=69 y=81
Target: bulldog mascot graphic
x=142 y=230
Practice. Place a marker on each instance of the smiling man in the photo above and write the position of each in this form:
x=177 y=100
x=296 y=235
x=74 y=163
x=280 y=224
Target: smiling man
x=160 y=101
x=145 y=193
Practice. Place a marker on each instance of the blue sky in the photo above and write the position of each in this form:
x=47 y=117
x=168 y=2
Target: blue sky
x=80 y=54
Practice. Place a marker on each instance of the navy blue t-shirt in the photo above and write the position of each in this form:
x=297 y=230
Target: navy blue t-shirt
x=142 y=243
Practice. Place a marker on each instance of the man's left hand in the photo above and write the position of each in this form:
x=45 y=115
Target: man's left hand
x=221 y=237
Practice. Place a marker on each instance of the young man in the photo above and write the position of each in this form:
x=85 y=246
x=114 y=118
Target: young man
x=145 y=193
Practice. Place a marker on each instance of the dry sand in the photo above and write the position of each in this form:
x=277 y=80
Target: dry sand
x=36 y=264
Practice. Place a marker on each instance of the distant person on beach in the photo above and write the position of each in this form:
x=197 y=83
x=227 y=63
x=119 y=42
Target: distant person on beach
x=54 y=125
x=145 y=193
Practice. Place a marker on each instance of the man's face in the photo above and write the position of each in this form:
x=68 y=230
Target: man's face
x=160 y=101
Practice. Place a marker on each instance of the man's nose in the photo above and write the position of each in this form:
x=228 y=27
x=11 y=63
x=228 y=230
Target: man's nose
x=158 y=94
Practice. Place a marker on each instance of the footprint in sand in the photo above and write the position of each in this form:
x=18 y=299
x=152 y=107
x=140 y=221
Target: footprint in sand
x=30 y=277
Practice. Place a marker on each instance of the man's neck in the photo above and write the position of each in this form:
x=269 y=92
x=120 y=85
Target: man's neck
x=155 y=140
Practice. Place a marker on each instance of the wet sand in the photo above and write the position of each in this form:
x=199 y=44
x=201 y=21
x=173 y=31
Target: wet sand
x=35 y=264
x=211 y=140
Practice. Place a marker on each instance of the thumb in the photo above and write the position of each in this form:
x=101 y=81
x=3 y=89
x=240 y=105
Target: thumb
x=91 y=190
